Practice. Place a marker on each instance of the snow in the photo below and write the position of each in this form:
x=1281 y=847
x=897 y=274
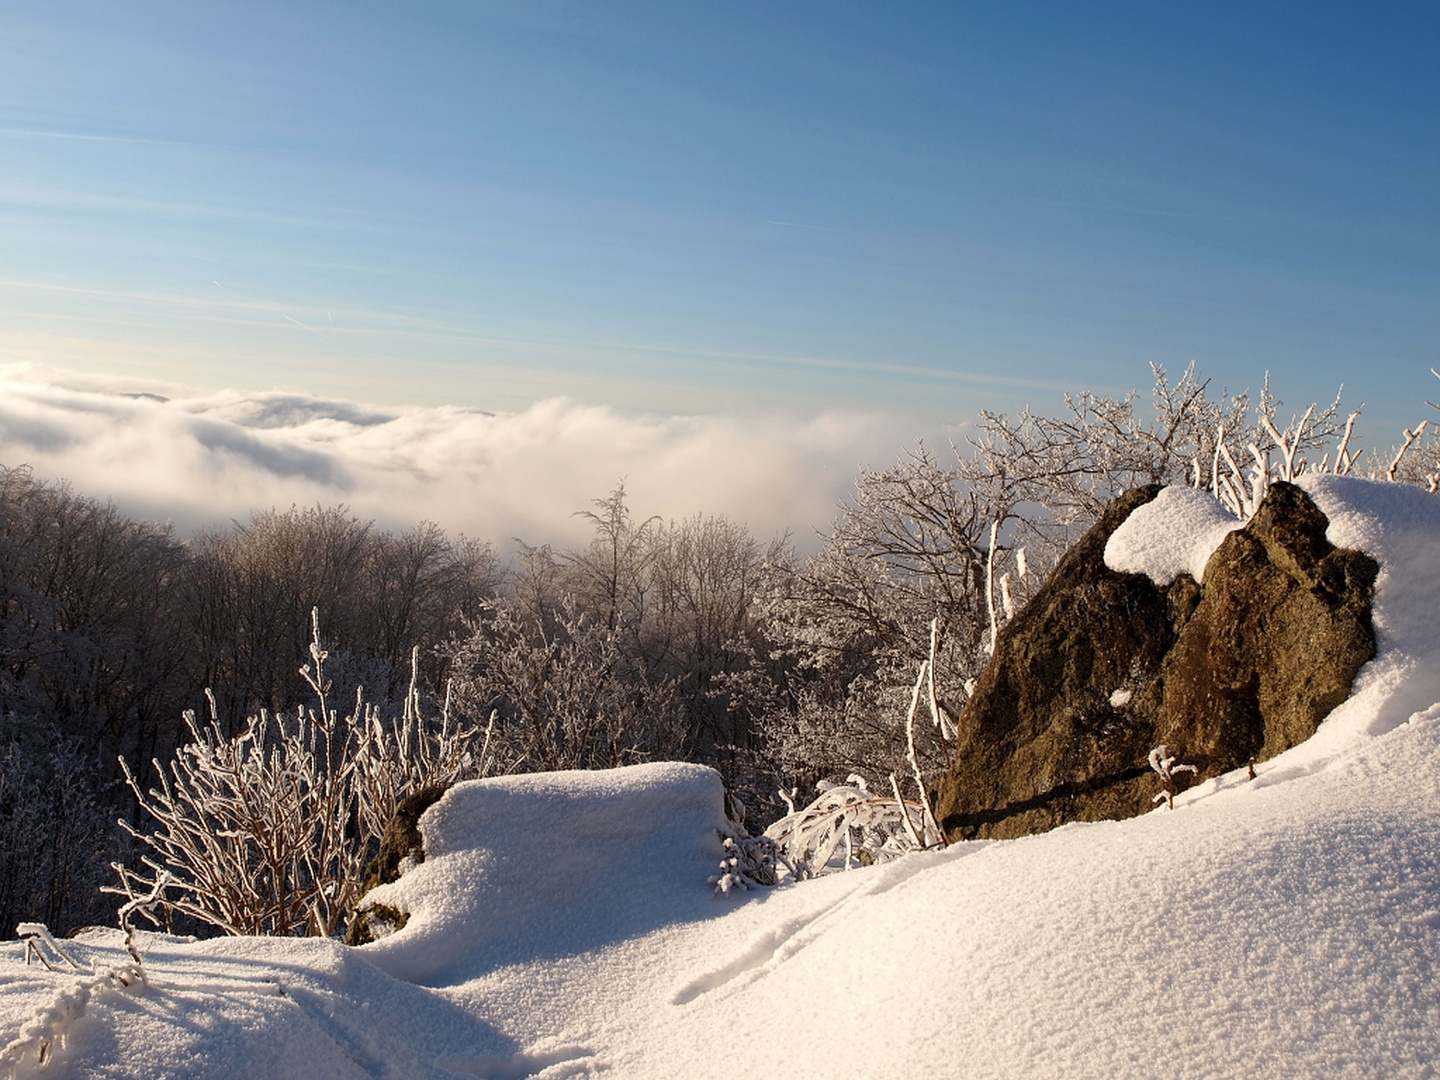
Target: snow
x=1176 y=532
x=594 y=858
x=562 y=925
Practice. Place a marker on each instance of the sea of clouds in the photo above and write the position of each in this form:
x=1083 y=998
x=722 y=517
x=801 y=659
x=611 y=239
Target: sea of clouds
x=194 y=458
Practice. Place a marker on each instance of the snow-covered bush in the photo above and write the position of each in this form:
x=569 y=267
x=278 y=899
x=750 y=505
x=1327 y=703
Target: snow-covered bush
x=270 y=831
x=1066 y=469
x=850 y=825
x=870 y=828
x=749 y=861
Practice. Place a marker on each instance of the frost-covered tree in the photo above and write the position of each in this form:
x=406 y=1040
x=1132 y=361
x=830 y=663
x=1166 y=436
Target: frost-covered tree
x=56 y=831
x=674 y=598
x=564 y=693
x=251 y=586
x=87 y=618
x=608 y=578
x=705 y=576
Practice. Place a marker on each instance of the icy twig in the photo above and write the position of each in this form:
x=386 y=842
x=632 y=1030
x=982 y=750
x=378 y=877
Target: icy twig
x=1410 y=437
x=909 y=825
x=1165 y=765
x=943 y=724
x=990 y=588
x=35 y=934
x=912 y=757
x=1287 y=443
x=1345 y=461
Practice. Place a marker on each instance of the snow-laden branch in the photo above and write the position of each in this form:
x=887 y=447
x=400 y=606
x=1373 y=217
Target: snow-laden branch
x=48 y=1028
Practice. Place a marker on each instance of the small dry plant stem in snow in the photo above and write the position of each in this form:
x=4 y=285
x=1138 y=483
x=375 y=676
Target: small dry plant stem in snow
x=1165 y=765
x=808 y=838
x=48 y=1028
x=37 y=935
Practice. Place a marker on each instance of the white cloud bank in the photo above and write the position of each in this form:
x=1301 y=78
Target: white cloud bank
x=171 y=453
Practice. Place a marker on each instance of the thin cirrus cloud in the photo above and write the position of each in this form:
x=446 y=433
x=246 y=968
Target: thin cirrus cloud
x=196 y=459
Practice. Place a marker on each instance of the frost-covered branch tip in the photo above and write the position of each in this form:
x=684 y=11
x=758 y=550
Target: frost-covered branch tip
x=1410 y=438
x=1164 y=764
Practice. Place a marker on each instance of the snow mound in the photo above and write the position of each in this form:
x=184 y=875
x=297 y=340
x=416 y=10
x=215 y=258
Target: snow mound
x=552 y=864
x=1174 y=533
x=1400 y=526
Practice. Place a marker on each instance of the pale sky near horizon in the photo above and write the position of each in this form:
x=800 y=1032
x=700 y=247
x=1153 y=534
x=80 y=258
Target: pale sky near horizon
x=920 y=208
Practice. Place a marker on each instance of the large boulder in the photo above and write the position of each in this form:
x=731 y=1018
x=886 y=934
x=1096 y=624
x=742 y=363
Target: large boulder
x=1102 y=666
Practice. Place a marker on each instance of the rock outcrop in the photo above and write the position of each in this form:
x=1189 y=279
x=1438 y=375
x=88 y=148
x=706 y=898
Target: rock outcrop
x=1101 y=666
x=401 y=846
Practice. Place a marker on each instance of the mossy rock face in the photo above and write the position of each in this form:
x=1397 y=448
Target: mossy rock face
x=371 y=922
x=402 y=846
x=1244 y=666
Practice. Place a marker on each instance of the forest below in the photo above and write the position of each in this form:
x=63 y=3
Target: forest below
x=688 y=640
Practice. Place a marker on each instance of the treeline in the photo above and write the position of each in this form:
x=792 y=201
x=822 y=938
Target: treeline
x=111 y=628
x=688 y=639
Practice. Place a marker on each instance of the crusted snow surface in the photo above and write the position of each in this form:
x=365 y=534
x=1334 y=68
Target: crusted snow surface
x=1278 y=927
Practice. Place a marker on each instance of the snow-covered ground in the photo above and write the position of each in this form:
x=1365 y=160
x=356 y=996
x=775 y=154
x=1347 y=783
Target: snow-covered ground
x=1286 y=926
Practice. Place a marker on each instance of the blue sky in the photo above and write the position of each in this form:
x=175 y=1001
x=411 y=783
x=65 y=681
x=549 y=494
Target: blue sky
x=698 y=208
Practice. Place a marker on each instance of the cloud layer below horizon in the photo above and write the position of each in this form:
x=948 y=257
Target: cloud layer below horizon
x=196 y=459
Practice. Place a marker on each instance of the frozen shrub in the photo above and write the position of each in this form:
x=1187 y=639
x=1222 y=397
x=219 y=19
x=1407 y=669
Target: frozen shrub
x=269 y=831
x=848 y=825
x=749 y=861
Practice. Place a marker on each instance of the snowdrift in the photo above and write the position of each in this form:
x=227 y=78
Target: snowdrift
x=1277 y=927
x=528 y=868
